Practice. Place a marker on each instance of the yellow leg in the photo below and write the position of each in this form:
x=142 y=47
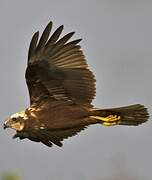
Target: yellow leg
x=110 y=120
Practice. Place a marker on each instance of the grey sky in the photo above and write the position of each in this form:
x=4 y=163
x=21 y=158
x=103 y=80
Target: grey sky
x=117 y=42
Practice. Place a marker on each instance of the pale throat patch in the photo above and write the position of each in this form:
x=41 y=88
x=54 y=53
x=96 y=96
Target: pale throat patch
x=18 y=126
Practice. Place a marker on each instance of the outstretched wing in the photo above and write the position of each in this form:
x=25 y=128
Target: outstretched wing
x=48 y=137
x=57 y=69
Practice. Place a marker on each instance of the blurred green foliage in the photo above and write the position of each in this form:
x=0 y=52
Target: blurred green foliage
x=10 y=176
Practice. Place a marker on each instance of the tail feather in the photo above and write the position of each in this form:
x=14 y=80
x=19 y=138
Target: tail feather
x=132 y=115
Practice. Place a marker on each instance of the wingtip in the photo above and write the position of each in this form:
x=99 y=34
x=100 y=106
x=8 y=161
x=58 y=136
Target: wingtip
x=78 y=40
x=61 y=27
x=49 y=26
x=50 y=23
x=36 y=34
x=73 y=32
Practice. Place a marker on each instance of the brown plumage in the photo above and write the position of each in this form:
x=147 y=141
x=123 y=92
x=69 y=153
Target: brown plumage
x=61 y=89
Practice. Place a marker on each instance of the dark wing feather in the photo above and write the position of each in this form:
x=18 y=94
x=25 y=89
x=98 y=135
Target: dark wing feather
x=44 y=37
x=55 y=35
x=33 y=45
x=58 y=69
x=48 y=137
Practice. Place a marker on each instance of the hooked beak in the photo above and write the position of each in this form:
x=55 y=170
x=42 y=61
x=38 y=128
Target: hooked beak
x=5 y=126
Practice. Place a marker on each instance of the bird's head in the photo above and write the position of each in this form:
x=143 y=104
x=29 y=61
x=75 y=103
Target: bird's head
x=16 y=121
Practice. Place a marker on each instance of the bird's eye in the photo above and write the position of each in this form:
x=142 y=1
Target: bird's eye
x=14 y=119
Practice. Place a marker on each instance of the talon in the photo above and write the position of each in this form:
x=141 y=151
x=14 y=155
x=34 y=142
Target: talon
x=111 y=123
x=110 y=120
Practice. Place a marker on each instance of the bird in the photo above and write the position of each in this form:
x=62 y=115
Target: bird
x=61 y=89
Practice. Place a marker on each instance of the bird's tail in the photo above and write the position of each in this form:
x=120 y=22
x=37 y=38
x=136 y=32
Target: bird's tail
x=132 y=115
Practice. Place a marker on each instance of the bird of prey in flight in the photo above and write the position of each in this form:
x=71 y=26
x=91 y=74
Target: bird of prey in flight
x=61 y=89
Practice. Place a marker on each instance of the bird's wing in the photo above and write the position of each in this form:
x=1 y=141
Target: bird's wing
x=58 y=69
x=48 y=137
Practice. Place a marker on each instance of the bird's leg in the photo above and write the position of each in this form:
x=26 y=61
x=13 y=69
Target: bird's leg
x=110 y=120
